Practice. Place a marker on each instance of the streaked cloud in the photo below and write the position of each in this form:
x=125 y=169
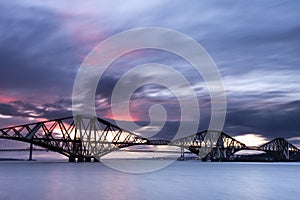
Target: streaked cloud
x=255 y=45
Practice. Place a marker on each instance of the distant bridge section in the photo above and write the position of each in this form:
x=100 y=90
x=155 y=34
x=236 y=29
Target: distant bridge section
x=210 y=145
x=281 y=150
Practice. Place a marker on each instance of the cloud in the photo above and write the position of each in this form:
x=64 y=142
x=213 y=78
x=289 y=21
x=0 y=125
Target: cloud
x=8 y=110
x=60 y=108
x=255 y=45
x=35 y=53
x=279 y=120
x=251 y=139
x=262 y=86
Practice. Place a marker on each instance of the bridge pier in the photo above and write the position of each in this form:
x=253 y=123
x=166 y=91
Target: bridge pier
x=82 y=159
x=72 y=159
x=88 y=159
x=30 y=152
x=182 y=153
x=76 y=159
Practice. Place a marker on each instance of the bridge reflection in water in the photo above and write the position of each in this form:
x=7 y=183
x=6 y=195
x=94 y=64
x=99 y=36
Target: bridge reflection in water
x=85 y=138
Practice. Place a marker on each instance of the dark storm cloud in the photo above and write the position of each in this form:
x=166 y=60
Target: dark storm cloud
x=35 y=53
x=53 y=110
x=106 y=86
x=245 y=36
x=8 y=109
x=281 y=120
x=240 y=36
x=19 y=108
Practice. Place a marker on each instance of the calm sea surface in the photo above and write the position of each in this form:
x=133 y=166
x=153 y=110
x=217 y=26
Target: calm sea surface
x=181 y=180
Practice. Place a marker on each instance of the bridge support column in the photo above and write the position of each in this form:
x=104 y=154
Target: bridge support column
x=30 y=152
x=80 y=159
x=72 y=159
x=88 y=159
x=182 y=153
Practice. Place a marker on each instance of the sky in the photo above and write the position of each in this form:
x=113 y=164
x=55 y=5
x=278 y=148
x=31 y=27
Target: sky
x=255 y=45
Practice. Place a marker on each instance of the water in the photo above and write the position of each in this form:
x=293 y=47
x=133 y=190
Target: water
x=181 y=180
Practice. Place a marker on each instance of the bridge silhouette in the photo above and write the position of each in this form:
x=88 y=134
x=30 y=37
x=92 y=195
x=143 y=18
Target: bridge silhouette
x=85 y=138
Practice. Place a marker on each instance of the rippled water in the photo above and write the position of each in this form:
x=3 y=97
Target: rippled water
x=181 y=180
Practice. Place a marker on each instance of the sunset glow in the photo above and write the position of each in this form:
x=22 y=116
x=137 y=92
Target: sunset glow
x=251 y=139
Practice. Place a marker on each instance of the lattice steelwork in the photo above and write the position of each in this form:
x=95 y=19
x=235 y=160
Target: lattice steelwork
x=210 y=144
x=56 y=135
x=82 y=138
x=280 y=149
x=226 y=147
x=100 y=137
x=85 y=137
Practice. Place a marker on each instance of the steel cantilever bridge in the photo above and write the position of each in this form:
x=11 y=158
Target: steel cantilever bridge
x=85 y=138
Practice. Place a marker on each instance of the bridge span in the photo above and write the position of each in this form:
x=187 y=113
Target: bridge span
x=86 y=138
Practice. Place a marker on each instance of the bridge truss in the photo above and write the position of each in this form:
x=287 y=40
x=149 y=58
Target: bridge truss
x=84 y=138
x=79 y=137
x=281 y=150
x=209 y=144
